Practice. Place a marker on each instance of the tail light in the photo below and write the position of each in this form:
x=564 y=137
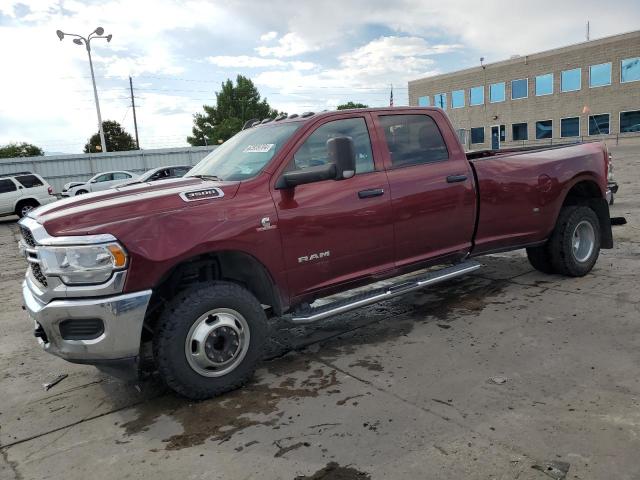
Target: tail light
x=50 y=190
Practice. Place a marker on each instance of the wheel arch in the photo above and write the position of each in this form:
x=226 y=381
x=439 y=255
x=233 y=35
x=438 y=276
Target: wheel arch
x=22 y=200
x=226 y=265
x=584 y=190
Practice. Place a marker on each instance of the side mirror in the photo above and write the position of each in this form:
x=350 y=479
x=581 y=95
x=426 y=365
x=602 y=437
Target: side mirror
x=342 y=155
x=341 y=165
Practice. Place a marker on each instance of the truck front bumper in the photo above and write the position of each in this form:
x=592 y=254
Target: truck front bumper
x=120 y=316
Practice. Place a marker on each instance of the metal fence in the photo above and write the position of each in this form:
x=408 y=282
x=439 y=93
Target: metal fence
x=61 y=169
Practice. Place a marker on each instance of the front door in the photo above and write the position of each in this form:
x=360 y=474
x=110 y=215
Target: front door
x=432 y=195
x=335 y=231
x=495 y=137
x=8 y=195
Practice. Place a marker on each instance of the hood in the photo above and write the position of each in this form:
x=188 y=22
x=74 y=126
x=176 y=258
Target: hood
x=96 y=212
x=69 y=185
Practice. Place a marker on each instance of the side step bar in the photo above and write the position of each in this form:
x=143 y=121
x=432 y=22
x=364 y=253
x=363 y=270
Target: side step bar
x=383 y=293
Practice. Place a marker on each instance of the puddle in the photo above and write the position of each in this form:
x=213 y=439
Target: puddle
x=219 y=419
x=333 y=471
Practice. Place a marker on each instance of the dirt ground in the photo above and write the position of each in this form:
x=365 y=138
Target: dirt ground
x=504 y=374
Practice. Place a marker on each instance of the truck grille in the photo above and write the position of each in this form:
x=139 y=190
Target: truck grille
x=27 y=236
x=35 y=267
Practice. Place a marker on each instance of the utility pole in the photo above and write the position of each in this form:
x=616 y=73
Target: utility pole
x=133 y=106
x=86 y=41
x=587 y=30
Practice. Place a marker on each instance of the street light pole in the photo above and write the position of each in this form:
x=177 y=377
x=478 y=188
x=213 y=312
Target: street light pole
x=80 y=40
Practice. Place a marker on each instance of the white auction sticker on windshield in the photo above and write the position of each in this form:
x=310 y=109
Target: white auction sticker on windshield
x=259 y=148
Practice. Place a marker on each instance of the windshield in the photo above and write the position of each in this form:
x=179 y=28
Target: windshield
x=245 y=154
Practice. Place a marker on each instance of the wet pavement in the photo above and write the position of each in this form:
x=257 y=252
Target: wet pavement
x=504 y=374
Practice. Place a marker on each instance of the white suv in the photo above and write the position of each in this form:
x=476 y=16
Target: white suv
x=22 y=192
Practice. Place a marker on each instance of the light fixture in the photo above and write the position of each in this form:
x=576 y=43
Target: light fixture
x=60 y=34
x=99 y=30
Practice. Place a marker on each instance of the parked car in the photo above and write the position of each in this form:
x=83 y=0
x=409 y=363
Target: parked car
x=101 y=181
x=160 y=173
x=22 y=192
x=282 y=217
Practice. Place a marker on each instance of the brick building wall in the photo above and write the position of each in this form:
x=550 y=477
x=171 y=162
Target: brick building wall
x=611 y=99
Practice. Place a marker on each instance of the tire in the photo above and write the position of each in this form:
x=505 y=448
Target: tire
x=575 y=223
x=24 y=207
x=231 y=328
x=540 y=259
x=81 y=192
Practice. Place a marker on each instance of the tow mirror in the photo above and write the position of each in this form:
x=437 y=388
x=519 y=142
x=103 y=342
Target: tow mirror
x=341 y=165
x=341 y=154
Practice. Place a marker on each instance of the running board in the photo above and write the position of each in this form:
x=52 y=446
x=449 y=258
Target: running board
x=383 y=293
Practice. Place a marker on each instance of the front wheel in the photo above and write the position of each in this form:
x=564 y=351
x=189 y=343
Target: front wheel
x=209 y=339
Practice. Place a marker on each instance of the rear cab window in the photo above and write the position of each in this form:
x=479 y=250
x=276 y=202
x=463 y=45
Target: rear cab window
x=313 y=152
x=29 y=181
x=413 y=139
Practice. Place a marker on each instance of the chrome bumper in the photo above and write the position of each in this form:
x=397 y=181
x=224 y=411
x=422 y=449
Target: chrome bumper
x=122 y=315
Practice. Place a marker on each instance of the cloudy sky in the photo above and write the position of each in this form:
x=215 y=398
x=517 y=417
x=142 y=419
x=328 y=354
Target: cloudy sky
x=303 y=55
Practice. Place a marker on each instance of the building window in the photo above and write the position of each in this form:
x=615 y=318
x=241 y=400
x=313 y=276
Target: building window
x=423 y=101
x=599 y=124
x=496 y=92
x=519 y=88
x=571 y=80
x=630 y=121
x=476 y=96
x=544 y=129
x=519 y=131
x=570 y=127
x=544 y=84
x=457 y=99
x=440 y=100
x=630 y=70
x=600 y=75
x=477 y=135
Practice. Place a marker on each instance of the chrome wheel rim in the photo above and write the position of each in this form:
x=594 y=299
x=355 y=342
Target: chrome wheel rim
x=583 y=241
x=217 y=342
x=26 y=209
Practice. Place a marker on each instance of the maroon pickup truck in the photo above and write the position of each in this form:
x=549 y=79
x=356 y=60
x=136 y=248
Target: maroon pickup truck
x=281 y=218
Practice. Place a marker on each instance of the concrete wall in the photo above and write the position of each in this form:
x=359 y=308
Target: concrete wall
x=60 y=169
x=610 y=99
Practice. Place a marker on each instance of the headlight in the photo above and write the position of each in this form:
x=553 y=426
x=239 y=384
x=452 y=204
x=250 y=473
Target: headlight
x=82 y=264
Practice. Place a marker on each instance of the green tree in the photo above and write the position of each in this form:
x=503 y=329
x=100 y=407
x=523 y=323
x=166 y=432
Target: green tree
x=20 y=150
x=116 y=138
x=350 y=105
x=235 y=104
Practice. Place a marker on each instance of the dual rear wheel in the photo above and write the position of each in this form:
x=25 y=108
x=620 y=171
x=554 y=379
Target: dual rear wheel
x=574 y=245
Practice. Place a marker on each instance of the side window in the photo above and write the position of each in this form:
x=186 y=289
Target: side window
x=29 y=181
x=107 y=177
x=180 y=171
x=413 y=140
x=121 y=176
x=7 y=185
x=313 y=152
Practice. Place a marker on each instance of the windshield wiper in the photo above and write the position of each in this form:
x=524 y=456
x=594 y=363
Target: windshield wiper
x=207 y=177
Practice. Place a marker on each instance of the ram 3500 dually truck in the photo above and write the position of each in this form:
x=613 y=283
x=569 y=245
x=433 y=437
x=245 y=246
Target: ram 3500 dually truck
x=288 y=212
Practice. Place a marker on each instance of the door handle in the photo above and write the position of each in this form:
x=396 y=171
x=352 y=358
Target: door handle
x=374 y=192
x=456 y=178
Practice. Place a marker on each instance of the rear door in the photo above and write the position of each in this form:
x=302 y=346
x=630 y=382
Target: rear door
x=431 y=183
x=8 y=195
x=335 y=231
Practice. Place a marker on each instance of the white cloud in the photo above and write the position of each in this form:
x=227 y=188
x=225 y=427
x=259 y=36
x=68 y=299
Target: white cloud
x=375 y=65
x=289 y=45
x=245 y=61
x=267 y=37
